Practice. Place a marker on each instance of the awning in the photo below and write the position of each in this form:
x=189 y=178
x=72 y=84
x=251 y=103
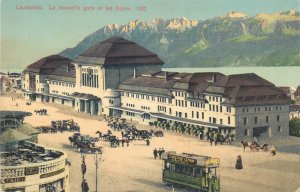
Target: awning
x=59 y=96
x=128 y=109
x=189 y=121
x=84 y=96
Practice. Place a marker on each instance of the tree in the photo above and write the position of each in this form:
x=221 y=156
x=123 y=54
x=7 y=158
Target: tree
x=294 y=127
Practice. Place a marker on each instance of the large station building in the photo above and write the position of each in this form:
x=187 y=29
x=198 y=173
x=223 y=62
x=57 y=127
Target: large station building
x=118 y=77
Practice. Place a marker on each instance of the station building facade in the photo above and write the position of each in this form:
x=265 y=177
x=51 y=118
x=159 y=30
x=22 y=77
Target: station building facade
x=117 y=77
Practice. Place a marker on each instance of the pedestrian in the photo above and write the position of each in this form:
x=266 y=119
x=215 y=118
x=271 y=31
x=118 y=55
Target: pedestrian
x=159 y=153
x=84 y=186
x=122 y=133
x=147 y=142
x=210 y=175
x=155 y=153
x=127 y=142
x=255 y=139
x=239 y=163
x=123 y=142
x=162 y=150
x=273 y=150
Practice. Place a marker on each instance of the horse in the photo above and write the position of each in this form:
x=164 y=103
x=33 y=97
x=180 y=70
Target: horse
x=245 y=144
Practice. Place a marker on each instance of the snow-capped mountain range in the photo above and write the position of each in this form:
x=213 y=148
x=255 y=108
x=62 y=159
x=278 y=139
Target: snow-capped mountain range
x=234 y=39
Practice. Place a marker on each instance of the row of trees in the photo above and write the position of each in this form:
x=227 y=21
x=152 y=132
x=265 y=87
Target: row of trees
x=194 y=130
x=294 y=127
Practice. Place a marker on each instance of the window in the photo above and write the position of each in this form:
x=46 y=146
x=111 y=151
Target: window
x=255 y=120
x=217 y=108
x=278 y=118
x=197 y=115
x=221 y=109
x=246 y=132
x=209 y=98
x=228 y=120
x=213 y=98
x=209 y=107
x=221 y=121
x=170 y=111
x=217 y=99
x=210 y=119
x=202 y=115
x=279 y=129
x=185 y=115
x=267 y=119
x=228 y=109
x=245 y=120
x=192 y=114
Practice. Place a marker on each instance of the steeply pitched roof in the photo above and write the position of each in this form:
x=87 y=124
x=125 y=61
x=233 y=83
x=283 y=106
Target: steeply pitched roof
x=47 y=64
x=297 y=92
x=56 y=67
x=118 y=51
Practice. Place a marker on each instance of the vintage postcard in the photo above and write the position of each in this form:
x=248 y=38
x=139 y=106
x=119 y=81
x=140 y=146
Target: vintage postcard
x=150 y=96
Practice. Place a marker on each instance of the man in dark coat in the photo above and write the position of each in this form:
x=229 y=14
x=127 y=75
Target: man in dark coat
x=84 y=186
x=160 y=153
x=155 y=153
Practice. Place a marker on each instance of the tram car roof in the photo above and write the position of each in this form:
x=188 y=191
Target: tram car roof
x=191 y=159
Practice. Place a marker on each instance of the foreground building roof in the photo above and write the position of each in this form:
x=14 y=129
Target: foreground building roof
x=118 y=51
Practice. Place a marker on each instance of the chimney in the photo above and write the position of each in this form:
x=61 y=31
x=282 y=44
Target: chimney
x=166 y=76
x=134 y=72
x=213 y=78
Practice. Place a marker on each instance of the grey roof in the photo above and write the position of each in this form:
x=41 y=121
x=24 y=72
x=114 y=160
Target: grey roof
x=118 y=51
x=14 y=114
x=241 y=89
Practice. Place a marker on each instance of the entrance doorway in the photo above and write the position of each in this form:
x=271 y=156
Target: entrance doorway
x=260 y=131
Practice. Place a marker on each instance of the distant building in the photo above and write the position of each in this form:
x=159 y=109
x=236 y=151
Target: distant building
x=297 y=94
x=15 y=81
x=288 y=91
x=117 y=77
x=294 y=111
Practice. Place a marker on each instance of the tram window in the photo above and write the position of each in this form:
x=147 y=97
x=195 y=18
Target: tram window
x=197 y=172
x=172 y=167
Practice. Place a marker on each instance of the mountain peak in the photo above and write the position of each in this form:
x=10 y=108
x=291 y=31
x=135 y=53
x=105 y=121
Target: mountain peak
x=181 y=23
x=290 y=13
x=235 y=14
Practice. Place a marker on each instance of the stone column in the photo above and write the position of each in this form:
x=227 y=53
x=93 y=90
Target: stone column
x=86 y=108
x=99 y=107
x=93 y=107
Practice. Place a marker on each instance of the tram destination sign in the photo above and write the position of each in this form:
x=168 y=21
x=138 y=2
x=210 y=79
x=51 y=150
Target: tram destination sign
x=183 y=160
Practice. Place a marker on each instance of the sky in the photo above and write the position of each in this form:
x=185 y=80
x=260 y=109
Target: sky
x=28 y=35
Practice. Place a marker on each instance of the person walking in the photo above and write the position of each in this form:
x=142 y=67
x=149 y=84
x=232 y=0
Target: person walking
x=147 y=142
x=155 y=153
x=84 y=186
x=159 y=153
x=127 y=142
x=273 y=150
x=239 y=163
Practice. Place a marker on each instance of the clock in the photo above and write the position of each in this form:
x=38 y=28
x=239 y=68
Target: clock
x=89 y=72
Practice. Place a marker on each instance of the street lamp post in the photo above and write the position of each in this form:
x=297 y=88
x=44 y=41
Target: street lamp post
x=97 y=158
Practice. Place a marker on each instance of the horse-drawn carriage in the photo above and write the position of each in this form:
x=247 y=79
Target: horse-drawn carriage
x=254 y=146
x=40 y=111
x=65 y=125
x=85 y=143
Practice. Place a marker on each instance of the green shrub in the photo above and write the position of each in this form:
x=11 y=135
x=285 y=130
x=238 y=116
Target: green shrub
x=294 y=127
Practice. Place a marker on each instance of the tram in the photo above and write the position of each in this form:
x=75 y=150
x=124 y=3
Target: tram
x=197 y=172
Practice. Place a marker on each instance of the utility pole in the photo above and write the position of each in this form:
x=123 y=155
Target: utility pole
x=97 y=158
